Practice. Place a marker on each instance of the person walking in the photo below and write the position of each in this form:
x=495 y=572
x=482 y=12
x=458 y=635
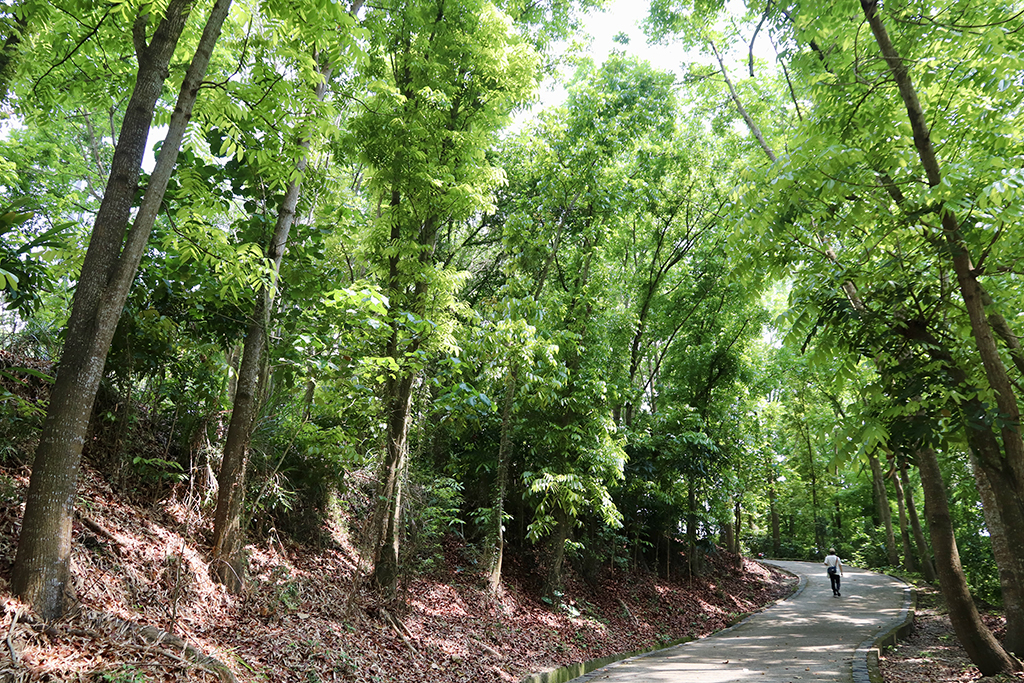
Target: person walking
x=835 y=570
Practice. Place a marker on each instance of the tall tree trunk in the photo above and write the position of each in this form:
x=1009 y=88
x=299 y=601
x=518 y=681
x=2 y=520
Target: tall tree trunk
x=819 y=536
x=41 y=566
x=692 y=563
x=738 y=512
x=927 y=568
x=908 y=550
x=728 y=529
x=501 y=484
x=776 y=532
x=979 y=643
x=398 y=409
x=884 y=512
x=230 y=565
x=1005 y=474
x=1009 y=579
x=970 y=289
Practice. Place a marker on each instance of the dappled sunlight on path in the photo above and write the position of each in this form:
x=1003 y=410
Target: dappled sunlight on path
x=811 y=636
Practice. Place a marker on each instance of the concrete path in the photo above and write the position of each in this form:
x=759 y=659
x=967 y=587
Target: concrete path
x=809 y=637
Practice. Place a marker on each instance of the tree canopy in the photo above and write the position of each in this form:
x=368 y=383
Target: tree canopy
x=766 y=304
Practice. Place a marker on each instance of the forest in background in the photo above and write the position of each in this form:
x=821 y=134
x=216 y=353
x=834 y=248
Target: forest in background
x=769 y=306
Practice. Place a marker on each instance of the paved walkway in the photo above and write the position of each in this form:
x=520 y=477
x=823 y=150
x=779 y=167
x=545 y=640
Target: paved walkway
x=809 y=637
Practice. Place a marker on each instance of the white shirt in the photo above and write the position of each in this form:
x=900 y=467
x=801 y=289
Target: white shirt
x=834 y=561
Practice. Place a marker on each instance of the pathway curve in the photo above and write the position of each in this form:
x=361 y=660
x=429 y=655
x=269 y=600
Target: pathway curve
x=809 y=637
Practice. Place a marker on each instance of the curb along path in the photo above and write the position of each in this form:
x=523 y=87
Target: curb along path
x=809 y=637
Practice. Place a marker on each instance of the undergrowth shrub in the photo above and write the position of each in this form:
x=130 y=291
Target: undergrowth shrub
x=433 y=511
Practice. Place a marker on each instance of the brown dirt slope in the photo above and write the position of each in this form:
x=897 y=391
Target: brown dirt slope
x=931 y=654
x=307 y=616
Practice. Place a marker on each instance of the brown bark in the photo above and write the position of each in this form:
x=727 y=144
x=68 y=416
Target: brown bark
x=501 y=484
x=738 y=512
x=693 y=565
x=229 y=560
x=908 y=549
x=776 y=535
x=979 y=643
x=42 y=563
x=970 y=290
x=553 y=583
x=1006 y=473
x=1009 y=578
x=819 y=537
x=398 y=401
x=884 y=512
x=925 y=555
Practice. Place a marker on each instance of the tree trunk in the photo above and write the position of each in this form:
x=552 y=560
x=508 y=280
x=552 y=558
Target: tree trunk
x=42 y=564
x=882 y=506
x=728 y=531
x=229 y=563
x=1009 y=579
x=1005 y=474
x=229 y=560
x=908 y=550
x=927 y=568
x=500 y=484
x=691 y=528
x=398 y=407
x=819 y=537
x=979 y=643
x=553 y=583
x=776 y=534
x=738 y=511
x=970 y=289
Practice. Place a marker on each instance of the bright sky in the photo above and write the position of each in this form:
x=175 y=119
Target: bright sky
x=624 y=16
x=621 y=16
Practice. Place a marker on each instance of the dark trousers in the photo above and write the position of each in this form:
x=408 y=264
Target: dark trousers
x=834 y=578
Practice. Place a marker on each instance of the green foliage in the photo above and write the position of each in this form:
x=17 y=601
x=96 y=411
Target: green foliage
x=435 y=512
x=126 y=673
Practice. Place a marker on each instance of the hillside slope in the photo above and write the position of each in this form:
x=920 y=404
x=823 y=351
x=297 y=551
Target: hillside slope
x=307 y=616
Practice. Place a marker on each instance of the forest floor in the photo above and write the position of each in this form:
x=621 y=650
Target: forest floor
x=306 y=614
x=932 y=654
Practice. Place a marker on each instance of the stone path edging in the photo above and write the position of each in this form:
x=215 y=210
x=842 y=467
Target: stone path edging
x=865 y=661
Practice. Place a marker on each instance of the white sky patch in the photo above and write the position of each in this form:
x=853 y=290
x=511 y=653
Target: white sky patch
x=626 y=16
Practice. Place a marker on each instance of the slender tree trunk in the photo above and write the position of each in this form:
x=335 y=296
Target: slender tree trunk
x=553 y=583
x=230 y=565
x=1005 y=474
x=693 y=565
x=41 y=566
x=819 y=537
x=970 y=289
x=776 y=537
x=908 y=550
x=501 y=484
x=728 y=530
x=738 y=512
x=228 y=534
x=979 y=643
x=927 y=568
x=884 y=512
